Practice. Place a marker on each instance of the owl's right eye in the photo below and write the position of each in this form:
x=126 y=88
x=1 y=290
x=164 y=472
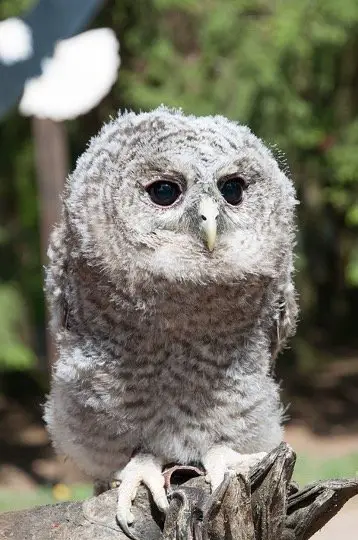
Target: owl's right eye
x=164 y=193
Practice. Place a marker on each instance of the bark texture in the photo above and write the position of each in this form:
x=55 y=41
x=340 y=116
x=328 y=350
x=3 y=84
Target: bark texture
x=265 y=505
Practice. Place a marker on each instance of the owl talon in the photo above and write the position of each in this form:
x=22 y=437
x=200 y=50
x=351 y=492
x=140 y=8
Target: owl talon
x=146 y=469
x=125 y=518
x=221 y=459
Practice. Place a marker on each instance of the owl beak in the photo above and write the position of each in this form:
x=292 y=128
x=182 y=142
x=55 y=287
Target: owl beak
x=208 y=213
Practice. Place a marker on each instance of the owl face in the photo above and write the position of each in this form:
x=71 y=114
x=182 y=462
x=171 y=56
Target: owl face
x=183 y=198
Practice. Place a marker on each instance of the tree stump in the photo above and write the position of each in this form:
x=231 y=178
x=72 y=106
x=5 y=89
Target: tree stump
x=264 y=505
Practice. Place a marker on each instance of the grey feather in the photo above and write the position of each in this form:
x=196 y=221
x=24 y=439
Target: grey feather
x=165 y=346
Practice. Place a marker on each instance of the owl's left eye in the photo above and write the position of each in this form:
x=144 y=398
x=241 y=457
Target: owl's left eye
x=232 y=189
x=164 y=193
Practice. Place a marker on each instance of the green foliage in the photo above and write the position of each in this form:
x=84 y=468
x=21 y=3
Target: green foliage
x=14 y=353
x=15 y=8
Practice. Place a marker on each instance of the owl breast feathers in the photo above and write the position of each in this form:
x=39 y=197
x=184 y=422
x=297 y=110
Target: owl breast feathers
x=170 y=289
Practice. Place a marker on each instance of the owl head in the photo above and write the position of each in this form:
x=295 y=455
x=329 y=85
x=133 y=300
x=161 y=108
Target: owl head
x=182 y=198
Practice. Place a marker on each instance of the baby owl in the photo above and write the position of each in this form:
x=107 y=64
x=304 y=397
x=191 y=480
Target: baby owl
x=170 y=288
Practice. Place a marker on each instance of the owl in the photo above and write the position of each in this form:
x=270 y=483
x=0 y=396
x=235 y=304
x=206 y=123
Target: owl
x=170 y=289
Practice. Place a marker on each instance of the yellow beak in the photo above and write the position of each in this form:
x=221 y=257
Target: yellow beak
x=208 y=212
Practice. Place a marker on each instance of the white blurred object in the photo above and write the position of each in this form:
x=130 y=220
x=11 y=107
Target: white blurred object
x=77 y=77
x=15 y=41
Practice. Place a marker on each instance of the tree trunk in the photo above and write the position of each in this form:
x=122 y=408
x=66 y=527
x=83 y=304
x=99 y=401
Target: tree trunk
x=265 y=505
x=51 y=158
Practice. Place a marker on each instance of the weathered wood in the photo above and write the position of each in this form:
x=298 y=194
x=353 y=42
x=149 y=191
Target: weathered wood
x=265 y=505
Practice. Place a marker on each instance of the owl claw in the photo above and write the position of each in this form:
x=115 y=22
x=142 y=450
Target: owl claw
x=146 y=469
x=221 y=459
x=125 y=518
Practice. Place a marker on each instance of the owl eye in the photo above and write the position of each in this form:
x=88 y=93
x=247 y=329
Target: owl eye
x=232 y=189
x=163 y=192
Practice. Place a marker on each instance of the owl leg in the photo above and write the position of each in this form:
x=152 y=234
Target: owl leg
x=219 y=459
x=142 y=468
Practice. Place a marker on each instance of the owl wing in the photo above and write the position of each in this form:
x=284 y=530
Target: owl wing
x=56 y=278
x=285 y=319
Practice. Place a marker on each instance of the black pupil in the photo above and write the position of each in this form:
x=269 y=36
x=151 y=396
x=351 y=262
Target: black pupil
x=231 y=190
x=164 y=193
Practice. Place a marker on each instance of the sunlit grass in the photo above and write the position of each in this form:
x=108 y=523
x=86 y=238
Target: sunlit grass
x=11 y=499
x=310 y=469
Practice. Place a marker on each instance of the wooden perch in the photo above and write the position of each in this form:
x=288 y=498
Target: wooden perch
x=265 y=505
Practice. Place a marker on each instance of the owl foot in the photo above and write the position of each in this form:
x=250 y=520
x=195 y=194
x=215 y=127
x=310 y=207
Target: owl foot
x=221 y=459
x=146 y=469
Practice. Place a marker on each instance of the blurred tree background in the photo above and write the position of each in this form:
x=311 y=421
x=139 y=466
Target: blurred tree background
x=288 y=69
